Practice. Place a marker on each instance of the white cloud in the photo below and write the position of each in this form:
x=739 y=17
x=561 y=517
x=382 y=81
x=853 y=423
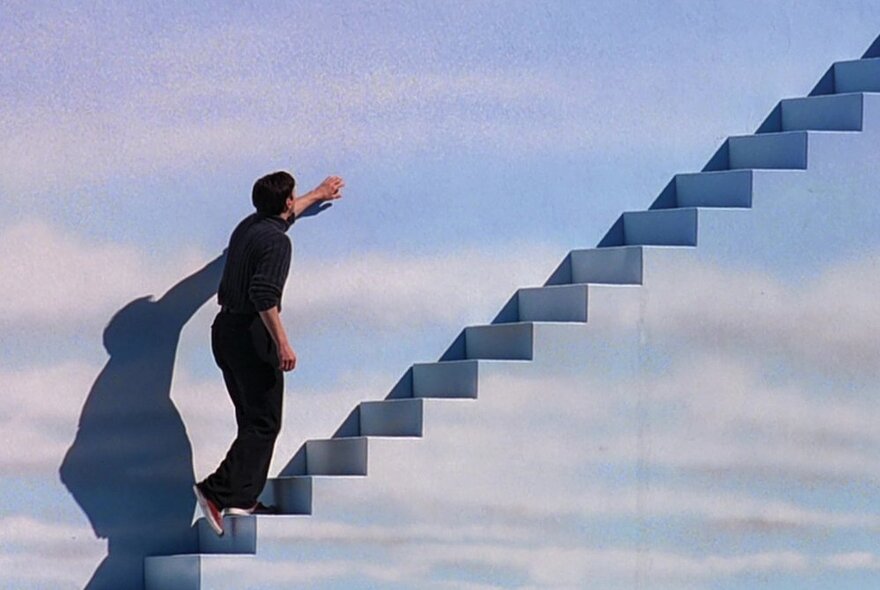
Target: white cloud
x=40 y=412
x=546 y=567
x=53 y=278
x=41 y=554
x=588 y=433
x=830 y=323
x=391 y=291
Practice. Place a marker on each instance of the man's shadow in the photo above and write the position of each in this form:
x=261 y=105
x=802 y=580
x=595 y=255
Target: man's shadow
x=130 y=467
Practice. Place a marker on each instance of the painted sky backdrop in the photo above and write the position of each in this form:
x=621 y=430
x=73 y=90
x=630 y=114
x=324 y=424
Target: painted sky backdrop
x=480 y=142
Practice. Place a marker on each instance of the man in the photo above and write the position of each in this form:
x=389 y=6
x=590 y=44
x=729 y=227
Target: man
x=249 y=342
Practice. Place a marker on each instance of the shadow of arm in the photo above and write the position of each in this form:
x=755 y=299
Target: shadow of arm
x=187 y=296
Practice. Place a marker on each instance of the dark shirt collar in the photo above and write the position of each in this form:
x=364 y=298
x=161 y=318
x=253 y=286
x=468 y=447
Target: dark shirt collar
x=282 y=224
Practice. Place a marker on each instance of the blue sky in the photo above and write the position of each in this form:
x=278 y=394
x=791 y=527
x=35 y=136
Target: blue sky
x=480 y=142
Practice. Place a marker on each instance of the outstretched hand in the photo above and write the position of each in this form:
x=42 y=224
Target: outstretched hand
x=330 y=189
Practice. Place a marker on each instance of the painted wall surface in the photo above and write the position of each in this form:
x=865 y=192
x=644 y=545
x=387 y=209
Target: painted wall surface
x=712 y=428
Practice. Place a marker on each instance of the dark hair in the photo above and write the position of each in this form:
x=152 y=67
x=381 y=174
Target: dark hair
x=271 y=192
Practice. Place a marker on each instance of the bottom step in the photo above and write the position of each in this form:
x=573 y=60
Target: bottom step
x=182 y=572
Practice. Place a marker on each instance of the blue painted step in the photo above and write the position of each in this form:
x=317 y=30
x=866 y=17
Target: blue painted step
x=663 y=227
x=446 y=379
x=785 y=150
x=556 y=303
x=514 y=341
x=290 y=494
x=833 y=112
x=564 y=303
x=337 y=456
x=394 y=417
x=725 y=188
x=178 y=572
x=614 y=266
x=861 y=75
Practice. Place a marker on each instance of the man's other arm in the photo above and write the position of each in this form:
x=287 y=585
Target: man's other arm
x=265 y=293
x=272 y=319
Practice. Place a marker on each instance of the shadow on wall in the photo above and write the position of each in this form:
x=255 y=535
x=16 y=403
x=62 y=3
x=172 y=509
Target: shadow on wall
x=130 y=466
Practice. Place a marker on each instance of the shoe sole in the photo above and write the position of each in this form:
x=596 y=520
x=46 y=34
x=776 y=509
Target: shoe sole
x=206 y=511
x=261 y=510
x=236 y=512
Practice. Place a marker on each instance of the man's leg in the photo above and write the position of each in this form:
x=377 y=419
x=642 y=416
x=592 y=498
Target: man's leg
x=256 y=388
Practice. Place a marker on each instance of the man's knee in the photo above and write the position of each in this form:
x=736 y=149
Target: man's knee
x=264 y=427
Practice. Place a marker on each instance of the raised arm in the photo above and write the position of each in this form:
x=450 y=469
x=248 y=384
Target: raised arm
x=329 y=190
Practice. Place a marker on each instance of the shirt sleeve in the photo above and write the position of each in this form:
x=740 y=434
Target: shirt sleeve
x=267 y=282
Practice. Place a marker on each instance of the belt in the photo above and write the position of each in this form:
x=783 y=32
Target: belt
x=225 y=309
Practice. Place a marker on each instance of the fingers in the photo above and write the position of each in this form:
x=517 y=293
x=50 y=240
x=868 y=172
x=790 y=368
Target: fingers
x=287 y=363
x=330 y=188
x=334 y=183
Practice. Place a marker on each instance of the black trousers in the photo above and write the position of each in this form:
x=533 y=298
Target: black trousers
x=248 y=358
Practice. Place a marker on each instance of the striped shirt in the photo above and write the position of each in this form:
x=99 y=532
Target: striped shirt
x=257 y=263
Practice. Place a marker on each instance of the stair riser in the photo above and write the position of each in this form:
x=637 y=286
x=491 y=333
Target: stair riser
x=823 y=113
x=783 y=151
x=175 y=572
x=392 y=418
x=661 y=227
x=340 y=456
x=445 y=380
x=291 y=495
x=553 y=304
x=615 y=266
x=239 y=536
x=857 y=76
x=714 y=189
x=499 y=342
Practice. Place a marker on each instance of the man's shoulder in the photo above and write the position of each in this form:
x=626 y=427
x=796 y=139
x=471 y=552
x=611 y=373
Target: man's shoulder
x=245 y=223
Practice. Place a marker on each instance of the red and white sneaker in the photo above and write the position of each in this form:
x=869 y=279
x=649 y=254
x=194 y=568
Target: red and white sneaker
x=210 y=510
x=258 y=508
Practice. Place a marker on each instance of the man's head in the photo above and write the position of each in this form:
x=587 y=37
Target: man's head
x=271 y=193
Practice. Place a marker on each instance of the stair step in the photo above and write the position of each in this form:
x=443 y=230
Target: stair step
x=290 y=494
x=240 y=533
x=445 y=379
x=833 y=112
x=725 y=188
x=862 y=75
x=512 y=341
x=337 y=456
x=177 y=572
x=619 y=265
x=663 y=227
x=395 y=417
x=785 y=150
x=239 y=536
x=563 y=303
x=556 y=303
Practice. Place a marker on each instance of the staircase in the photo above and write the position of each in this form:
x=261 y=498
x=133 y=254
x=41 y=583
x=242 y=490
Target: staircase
x=696 y=213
